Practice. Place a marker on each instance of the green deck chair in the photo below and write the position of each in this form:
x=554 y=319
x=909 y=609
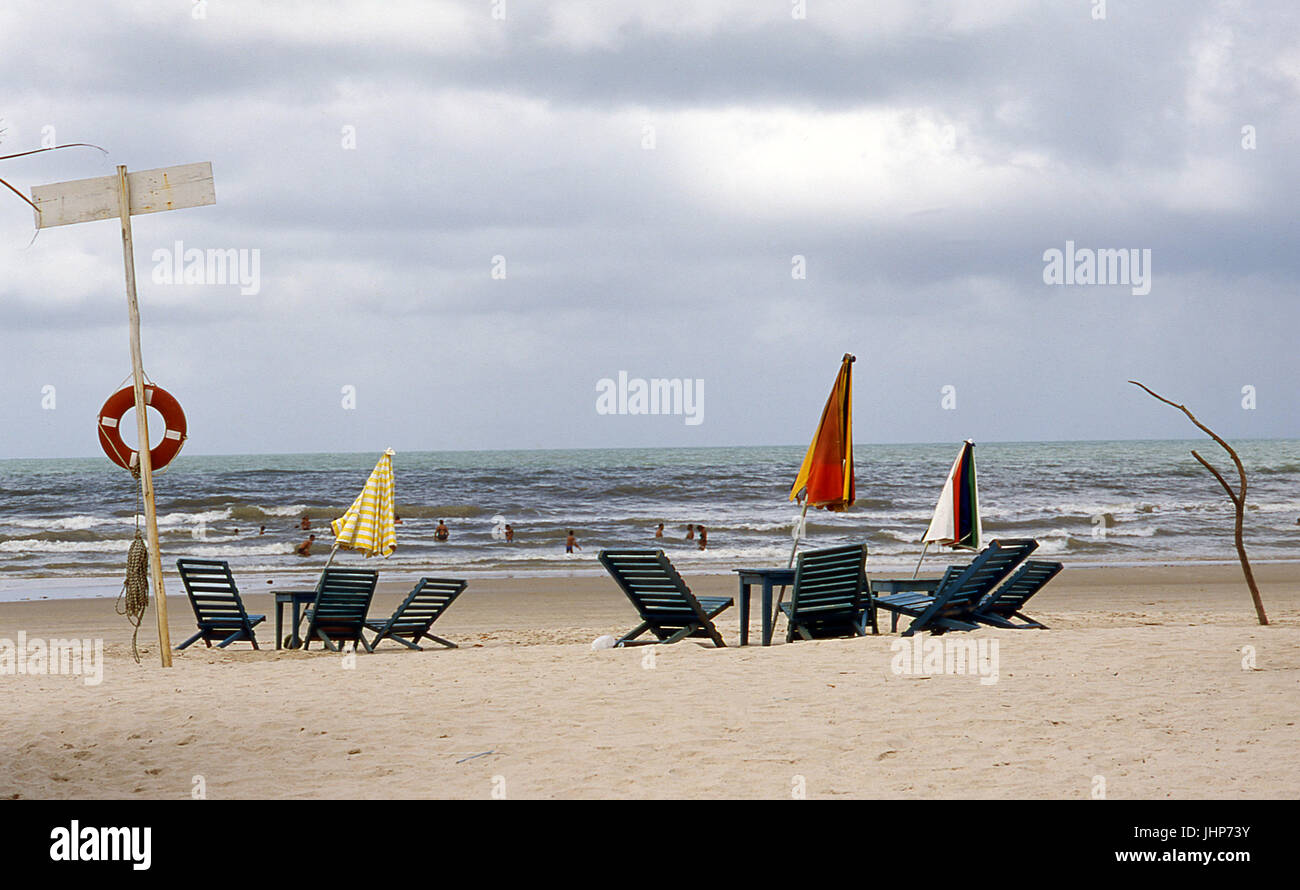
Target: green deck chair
x=338 y=615
x=217 y=605
x=1006 y=602
x=667 y=607
x=949 y=604
x=424 y=605
x=830 y=596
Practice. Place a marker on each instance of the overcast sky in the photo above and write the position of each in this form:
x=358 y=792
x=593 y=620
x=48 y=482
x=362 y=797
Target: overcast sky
x=649 y=171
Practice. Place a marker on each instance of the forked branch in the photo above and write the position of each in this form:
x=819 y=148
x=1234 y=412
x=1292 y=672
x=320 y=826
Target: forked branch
x=1238 y=497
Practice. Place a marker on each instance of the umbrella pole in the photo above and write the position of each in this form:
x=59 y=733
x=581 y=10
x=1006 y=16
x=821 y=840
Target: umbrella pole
x=802 y=518
x=780 y=597
x=918 y=562
x=333 y=550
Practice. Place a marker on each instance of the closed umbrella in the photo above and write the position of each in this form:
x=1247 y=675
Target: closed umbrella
x=368 y=525
x=826 y=477
x=956 y=520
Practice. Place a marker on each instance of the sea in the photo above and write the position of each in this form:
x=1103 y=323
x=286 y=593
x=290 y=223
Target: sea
x=66 y=524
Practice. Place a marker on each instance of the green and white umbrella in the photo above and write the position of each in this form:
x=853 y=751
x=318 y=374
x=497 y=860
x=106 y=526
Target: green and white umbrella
x=956 y=520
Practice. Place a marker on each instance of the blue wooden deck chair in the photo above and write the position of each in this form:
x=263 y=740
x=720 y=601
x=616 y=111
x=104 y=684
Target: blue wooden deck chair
x=667 y=607
x=1006 y=602
x=424 y=605
x=950 y=603
x=830 y=597
x=338 y=614
x=217 y=606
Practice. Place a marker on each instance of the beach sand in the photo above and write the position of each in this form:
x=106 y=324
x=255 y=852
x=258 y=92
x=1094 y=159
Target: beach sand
x=1139 y=685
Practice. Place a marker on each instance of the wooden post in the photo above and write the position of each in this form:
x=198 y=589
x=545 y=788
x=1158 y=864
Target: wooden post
x=142 y=421
x=106 y=197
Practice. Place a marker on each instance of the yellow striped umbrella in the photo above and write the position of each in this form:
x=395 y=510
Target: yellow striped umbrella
x=368 y=525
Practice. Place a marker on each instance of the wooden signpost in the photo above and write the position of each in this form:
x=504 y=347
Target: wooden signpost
x=106 y=197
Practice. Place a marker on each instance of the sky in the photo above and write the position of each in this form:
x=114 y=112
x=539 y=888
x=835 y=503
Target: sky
x=466 y=215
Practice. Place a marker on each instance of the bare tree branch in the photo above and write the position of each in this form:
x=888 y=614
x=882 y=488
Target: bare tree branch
x=1217 y=475
x=1238 y=497
x=23 y=154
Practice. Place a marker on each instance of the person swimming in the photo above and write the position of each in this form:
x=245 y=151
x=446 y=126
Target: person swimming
x=304 y=549
x=441 y=533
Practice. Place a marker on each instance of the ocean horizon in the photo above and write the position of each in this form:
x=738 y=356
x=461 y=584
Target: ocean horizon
x=66 y=523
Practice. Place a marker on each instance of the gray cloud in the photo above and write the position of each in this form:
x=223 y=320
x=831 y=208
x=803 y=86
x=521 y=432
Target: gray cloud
x=921 y=157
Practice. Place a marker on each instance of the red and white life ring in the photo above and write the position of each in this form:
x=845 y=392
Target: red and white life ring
x=110 y=416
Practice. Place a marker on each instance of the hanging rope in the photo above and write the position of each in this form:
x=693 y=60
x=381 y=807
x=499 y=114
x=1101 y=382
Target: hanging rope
x=135 y=589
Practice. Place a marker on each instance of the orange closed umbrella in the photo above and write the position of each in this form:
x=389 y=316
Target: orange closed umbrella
x=826 y=477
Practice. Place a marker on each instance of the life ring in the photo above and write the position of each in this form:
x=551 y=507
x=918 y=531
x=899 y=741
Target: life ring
x=110 y=416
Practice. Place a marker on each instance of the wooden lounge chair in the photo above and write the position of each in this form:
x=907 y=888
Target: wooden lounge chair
x=338 y=614
x=949 y=604
x=1005 y=603
x=667 y=607
x=217 y=606
x=423 y=605
x=830 y=597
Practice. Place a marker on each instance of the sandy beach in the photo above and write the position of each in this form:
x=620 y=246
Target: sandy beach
x=1142 y=689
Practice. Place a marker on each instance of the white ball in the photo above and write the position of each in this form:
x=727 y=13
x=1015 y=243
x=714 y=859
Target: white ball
x=605 y=642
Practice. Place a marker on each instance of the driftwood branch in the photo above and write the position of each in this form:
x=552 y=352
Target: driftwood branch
x=1238 y=497
x=1232 y=495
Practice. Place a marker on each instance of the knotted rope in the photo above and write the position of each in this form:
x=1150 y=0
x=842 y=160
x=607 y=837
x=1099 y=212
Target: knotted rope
x=135 y=589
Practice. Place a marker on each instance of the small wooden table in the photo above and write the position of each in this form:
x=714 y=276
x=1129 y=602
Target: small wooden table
x=296 y=599
x=768 y=578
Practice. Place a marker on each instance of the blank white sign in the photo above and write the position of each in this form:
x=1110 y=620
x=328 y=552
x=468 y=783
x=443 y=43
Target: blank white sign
x=152 y=191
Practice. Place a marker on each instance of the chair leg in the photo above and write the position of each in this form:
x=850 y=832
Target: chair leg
x=448 y=643
x=405 y=642
x=1035 y=624
x=191 y=641
x=681 y=634
x=633 y=634
x=230 y=639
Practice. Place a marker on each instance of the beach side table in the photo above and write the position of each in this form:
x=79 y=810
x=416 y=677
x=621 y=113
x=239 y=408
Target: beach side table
x=768 y=578
x=297 y=599
x=918 y=587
